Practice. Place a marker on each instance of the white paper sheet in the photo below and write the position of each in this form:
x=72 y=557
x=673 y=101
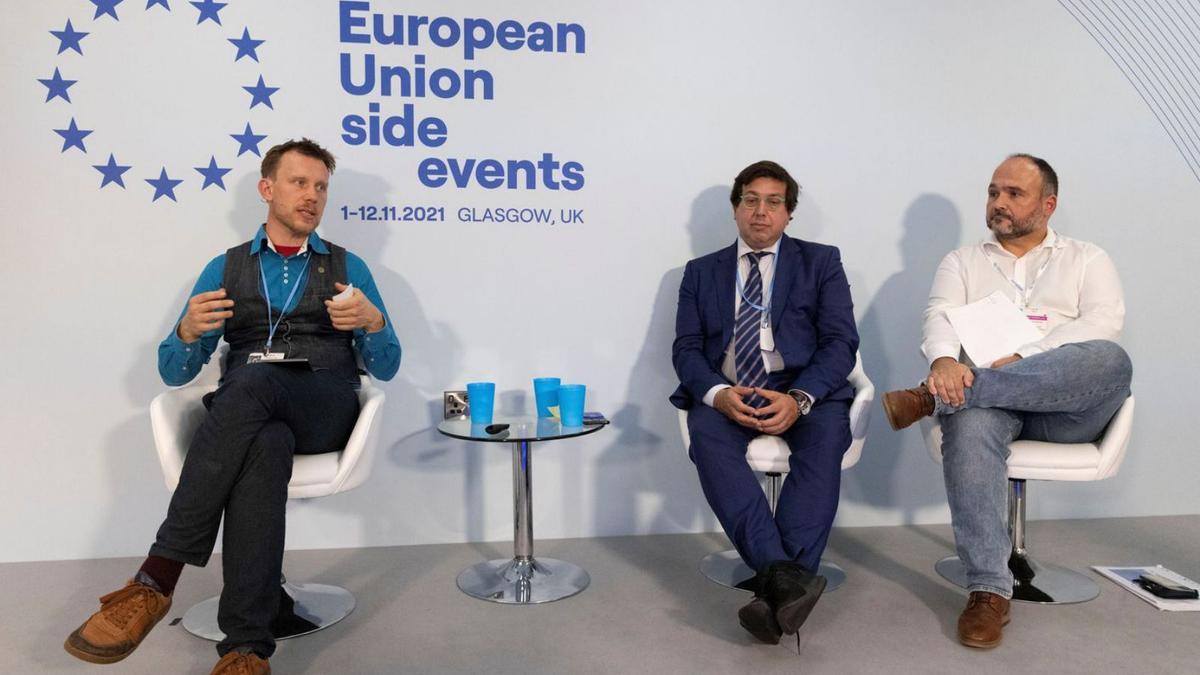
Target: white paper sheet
x=1126 y=577
x=991 y=328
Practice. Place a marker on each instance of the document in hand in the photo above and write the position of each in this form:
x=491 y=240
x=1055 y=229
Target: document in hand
x=991 y=328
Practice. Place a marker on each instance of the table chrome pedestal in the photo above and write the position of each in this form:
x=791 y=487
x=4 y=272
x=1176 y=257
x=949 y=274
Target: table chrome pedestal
x=523 y=579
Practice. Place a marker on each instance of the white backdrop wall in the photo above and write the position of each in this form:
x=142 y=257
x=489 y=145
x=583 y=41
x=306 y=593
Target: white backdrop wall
x=891 y=115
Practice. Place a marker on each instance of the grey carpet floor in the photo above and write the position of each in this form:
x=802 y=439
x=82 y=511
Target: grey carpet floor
x=648 y=610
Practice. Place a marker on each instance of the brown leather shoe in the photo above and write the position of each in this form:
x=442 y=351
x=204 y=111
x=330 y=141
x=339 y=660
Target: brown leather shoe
x=237 y=663
x=124 y=619
x=905 y=406
x=981 y=622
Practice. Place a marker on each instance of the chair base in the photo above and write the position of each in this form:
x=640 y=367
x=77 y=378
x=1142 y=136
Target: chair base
x=1042 y=583
x=317 y=606
x=727 y=569
x=523 y=581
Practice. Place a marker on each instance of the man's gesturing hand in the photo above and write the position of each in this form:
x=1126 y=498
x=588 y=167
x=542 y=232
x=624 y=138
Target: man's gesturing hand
x=729 y=402
x=947 y=378
x=205 y=311
x=354 y=312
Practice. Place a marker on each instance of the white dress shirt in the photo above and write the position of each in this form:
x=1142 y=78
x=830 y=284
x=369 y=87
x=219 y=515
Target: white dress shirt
x=1068 y=288
x=772 y=359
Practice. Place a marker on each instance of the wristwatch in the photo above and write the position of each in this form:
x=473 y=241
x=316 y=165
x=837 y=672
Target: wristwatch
x=803 y=401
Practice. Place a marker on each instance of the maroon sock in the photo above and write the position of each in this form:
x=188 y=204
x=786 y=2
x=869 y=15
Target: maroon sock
x=164 y=571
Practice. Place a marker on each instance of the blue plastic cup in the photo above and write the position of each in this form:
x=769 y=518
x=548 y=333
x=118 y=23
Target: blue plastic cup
x=545 y=394
x=570 y=404
x=480 y=396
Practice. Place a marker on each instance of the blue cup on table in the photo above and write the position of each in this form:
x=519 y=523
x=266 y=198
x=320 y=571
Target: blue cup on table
x=480 y=397
x=570 y=404
x=545 y=394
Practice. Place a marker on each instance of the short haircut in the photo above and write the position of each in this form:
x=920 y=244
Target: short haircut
x=766 y=169
x=304 y=146
x=1049 y=175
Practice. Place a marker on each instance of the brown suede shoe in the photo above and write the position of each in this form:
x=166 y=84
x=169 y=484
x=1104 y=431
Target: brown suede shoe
x=237 y=663
x=124 y=619
x=905 y=406
x=981 y=622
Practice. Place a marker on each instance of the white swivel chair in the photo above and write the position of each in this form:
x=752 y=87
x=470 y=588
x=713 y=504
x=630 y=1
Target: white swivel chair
x=1036 y=460
x=769 y=454
x=176 y=414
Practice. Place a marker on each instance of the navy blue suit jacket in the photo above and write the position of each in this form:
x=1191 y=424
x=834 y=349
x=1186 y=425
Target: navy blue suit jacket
x=812 y=319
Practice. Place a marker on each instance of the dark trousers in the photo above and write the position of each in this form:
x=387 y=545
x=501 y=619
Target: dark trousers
x=239 y=465
x=803 y=517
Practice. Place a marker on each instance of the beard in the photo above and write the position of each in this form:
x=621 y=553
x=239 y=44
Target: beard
x=1005 y=226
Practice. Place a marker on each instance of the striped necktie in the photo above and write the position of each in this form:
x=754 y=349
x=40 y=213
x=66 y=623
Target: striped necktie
x=747 y=354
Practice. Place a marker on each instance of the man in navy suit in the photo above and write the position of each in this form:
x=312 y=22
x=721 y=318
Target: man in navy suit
x=764 y=341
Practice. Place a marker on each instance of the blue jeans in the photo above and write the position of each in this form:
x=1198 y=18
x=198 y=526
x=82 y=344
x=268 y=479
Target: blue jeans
x=1065 y=395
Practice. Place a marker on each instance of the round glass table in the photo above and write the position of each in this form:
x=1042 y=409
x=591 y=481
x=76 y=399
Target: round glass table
x=522 y=579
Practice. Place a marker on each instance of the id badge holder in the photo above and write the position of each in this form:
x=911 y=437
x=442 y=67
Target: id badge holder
x=1038 y=317
x=256 y=357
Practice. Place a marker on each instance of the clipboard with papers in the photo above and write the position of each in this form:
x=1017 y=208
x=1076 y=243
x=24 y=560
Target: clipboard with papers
x=991 y=328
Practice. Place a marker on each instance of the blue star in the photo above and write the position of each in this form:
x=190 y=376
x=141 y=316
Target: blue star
x=208 y=10
x=68 y=38
x=261 y=93
x=57 y=86
x=249 y=141
x=246 y=45
x=164 y=186
x=112 y=172
x=151 y=3
x=213 y=174
x=73 y=136
x=108 y=7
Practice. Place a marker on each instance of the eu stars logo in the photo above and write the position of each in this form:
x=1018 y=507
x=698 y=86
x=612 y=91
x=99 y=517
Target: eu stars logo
x=76 y=41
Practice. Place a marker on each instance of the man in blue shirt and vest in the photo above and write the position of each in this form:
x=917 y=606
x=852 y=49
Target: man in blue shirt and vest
x=764 y=341
x=271 y=298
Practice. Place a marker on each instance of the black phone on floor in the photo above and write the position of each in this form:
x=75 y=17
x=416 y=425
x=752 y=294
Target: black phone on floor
x=1167 y=589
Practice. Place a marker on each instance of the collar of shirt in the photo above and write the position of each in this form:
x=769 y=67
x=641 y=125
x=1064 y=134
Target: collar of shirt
x=313 y=241
x=743 y=248
x=1051 y=241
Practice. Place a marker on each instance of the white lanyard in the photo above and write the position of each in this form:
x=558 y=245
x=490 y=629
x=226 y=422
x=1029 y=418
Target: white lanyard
x=1025 y=291
x=765 y=308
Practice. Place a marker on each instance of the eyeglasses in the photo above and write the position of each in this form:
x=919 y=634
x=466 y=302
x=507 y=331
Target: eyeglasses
x=752 y=201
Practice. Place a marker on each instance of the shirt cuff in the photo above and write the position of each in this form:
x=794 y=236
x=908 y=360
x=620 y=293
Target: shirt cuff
x=803 y=393
x=711 y=396
x=939 y=350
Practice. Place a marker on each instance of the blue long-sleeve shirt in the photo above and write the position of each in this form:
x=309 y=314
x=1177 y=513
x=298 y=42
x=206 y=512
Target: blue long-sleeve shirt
x=179 y=362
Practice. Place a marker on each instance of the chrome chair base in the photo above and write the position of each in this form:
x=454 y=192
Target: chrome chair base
x=523 y=581
x=317 y=606
x=727 y=569
x=1041 y=583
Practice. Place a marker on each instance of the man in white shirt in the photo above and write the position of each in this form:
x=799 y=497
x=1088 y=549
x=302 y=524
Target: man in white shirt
x=1062 y=388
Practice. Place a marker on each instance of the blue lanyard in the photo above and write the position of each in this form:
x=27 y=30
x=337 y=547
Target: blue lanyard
x=765 y=308
x=272 y=327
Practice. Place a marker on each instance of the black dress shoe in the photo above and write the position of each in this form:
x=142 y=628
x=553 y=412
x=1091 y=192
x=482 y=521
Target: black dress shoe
x=793 y=591
x=758 y=617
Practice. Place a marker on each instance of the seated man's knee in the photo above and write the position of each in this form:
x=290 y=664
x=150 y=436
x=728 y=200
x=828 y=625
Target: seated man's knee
x=1109 y=357
x=978 y=429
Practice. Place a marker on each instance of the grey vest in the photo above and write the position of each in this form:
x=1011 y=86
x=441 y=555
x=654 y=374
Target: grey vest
x=306 y=331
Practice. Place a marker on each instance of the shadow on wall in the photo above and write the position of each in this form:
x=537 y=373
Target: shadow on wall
x=895 y=471
x=139 y=506
x=644 y=480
